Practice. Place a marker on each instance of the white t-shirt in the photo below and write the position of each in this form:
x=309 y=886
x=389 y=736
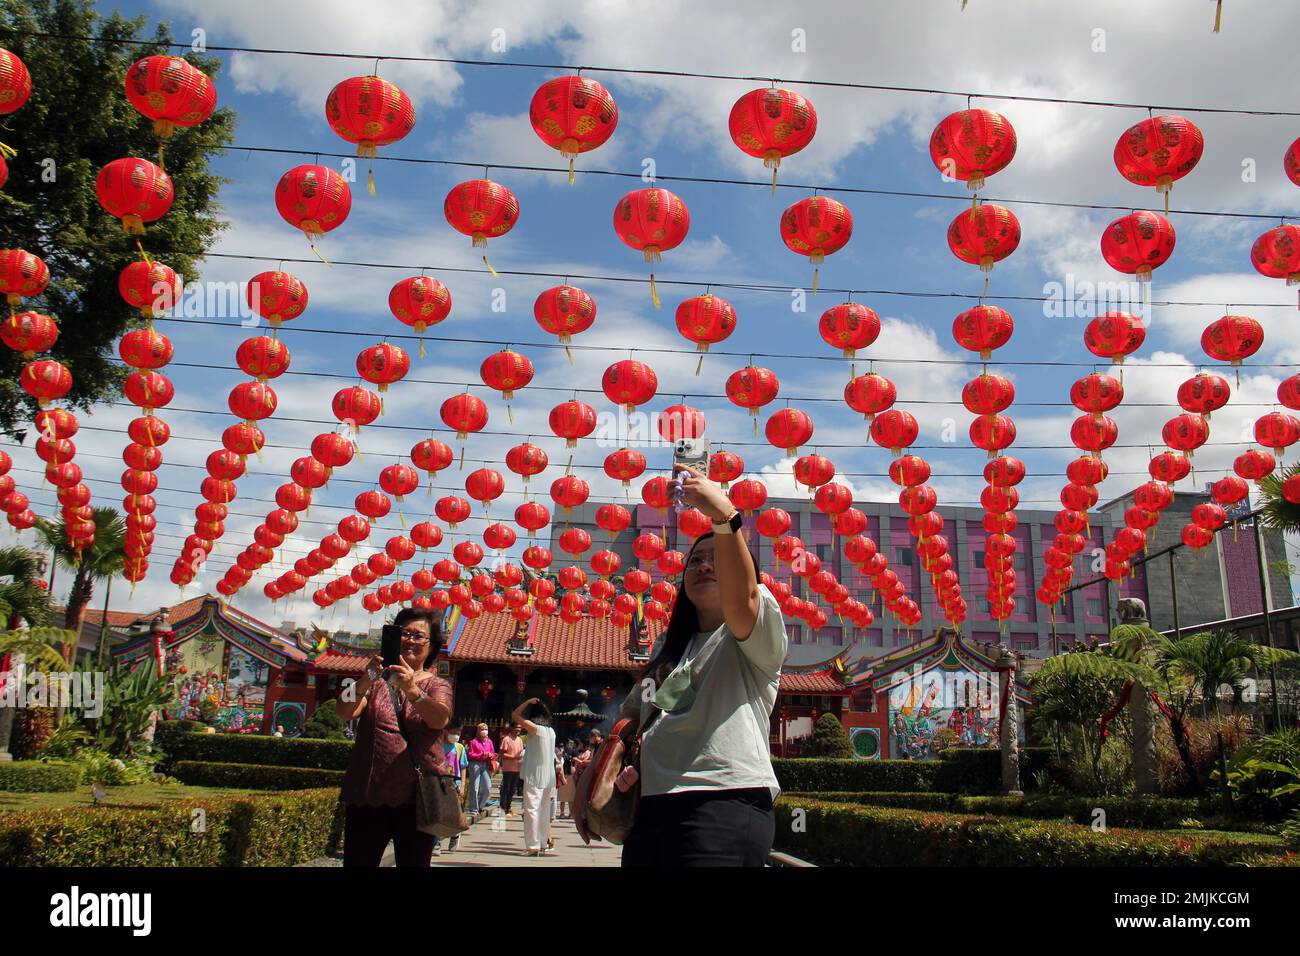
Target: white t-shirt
x=721 y=741
x=539 y=758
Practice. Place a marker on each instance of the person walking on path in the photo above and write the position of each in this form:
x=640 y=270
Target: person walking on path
x=454 y=753
x=482 y=755
x=512 y=756
x=401 y=721
x=538 y=774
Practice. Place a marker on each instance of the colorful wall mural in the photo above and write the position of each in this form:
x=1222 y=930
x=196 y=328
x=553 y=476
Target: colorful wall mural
x=959 y=701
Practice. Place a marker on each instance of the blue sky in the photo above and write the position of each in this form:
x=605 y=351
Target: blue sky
x=1163 y=53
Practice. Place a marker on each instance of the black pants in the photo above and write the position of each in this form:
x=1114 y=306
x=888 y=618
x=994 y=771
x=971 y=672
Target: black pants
x=509 y=787
x=702 y=828
x=367 y=830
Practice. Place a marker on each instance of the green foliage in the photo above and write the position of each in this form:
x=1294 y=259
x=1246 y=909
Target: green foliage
x=979 y=770
x=1143 y=812
x=843 y=833
x=324 y=724
x=1290 y=832
x=132 y=695
x=1264 y=775
x=78 y=117
x=250 y=776
x=66 y=739
x=25 y=597
x=829 y=738
x=811 y=775
x=1279 y=514
x=256 y=749
x=32 y=728
x=281 y=829
x=98 y=766
x=39 y=645
x=36 y=776
x=1208 y=660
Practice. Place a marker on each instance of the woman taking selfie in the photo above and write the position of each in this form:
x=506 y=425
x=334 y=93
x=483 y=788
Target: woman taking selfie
x=706 y=777
x=402 y=718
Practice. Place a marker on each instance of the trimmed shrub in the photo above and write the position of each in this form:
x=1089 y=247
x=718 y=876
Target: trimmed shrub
x=324 y=724
x=32 y=727
x=251 y=776
x=281 y=829
x=810 y=775
x=979 y=770
x=845 y=833
x=34 y=776
x=1151 y=813
x=829 y=738
x=256 y=749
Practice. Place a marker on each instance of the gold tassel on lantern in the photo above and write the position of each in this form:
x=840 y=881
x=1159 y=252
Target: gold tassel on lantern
x=1218 y=15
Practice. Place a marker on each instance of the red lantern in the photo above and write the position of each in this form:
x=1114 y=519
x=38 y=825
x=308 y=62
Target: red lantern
x=61 y=423
x=419 y=301
x=498 y=537
x=985 y=235
x=485 y=485
x=1203 y=393
x=789 y=428
x=353 y=406
x=431 y=456
x=772 y=124
x=263 y=357
x=983 y=329
x=1114 y=335
x=252 y=401
x=506 y=371
x=849 y=327
x=833 y=499
x=909 y=470
x=464 y=413
x=971 y=145
x=572 y=420
x=654 y=221
x=894 y=430
x=624 y=465
x=569 y=492
x=1254 y=464
x=383 y=364
x=680 y=421
x=573 y=114
x=992 y=433
x=171 y=92
x=482 y=210
x=1093 y=433
x=532 y=516
x=1097 y=393
x=135 y=191
x=1230 y=490
x=314 y=199
x=657 y=493
x=693 y=523
x=629 y=383
x=1083 y=497
x=988 y=394
x=564 y=311
x=752 y=387
x=15 y=82
x=29 y=333
x=370 y=112
x=1209 y=516
x=1152 y=496
x=426 y=535
x=1291 y=489
x=998 y=500
x=151 y=287
x=1159 y=150
x=813 y=470
x=1185 y=433
x=1277 y=430
x=575 y=541
x=221 y=464
x=1169 y=466
x=399 y=480
x=614 y=519
x=22 y=275
x=1232 y=338
x=149 y=390
x=469 y=555
x=816 y=227
x=605 y=563
x=45 y=380
x=748 y=495
x=537 y=558
x=332 y=449
x=1276 y=254
x=870 y=394
x=400 y=548
x=277 y=296
x=705 y=320
x=526 y=460
x=1196 y=537
x=1138 y=243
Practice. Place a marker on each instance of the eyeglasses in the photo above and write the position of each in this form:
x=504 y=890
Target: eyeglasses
x=415 y=637
x=697 y=560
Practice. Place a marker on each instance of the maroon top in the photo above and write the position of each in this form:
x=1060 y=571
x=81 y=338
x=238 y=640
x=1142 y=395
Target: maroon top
x=380 y=773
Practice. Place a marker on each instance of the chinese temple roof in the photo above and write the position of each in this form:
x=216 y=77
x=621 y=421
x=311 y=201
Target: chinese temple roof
x=548 y=641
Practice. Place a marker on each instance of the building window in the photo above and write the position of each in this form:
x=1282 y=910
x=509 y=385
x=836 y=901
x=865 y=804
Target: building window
x=978 y=558
x=1018 y=561
x=1096 y=607
x=1024 y=645
x=903 y=556
x=824 y=552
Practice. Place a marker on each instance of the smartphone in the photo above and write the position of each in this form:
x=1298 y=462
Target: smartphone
x=693 y=452
x=390 y=644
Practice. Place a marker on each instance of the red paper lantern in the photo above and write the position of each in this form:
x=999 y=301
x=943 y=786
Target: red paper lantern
x=657 y=493
x=373 y=504
x=61 y=423
x=150 y=286
x=464 y=413
x=314 y=199
x=909 y=470
x=569 y=492
x=816 y=227
x=813 y=470
x=526 y=460
x=1138 y=243
x=1170 y=467
x=894 y=430
x=1291 y=489
x=1232 y=338
x=748 y=495
x=1152 y=496
x=624 y=465
x=22 y=275
x=654 y=221
x=680 y=421
x=277 y=296
x=263 y=357
x=833 y=499
x=849 y=326
x=15 y=82
x=383 y=364
x=789 y=428
x=752 y=387
x=149 y=390
x=252 y=401
x=573 y=114
x=431 y=455
x=998 y=500
x=353 y=406
x=564 y=311
x=370 y=112
x=1185 y=433
x=1083 y=497
x=400 y=480
x=171 y=92
x=537 y=558
x=771 y=124
x=992 y=433
x=45 y=380
x=498 y=537
x=469 y=555
x=983 y=329
x=506 y=371
x=419 y=301
x=29 y=333
x=1093 y=433
x=1203 y=393
x=332 y=449
x=1230 y=490
x=629 y=383
x=971 y=145
x=532 y=516
x=1096 y=393
x=706 y=320
x=985 y=235
x=485 y=485
x=572 y=420
x=1114 y=335
x=988 y=394
x=426 y=535
x=693 y=523
x=482 y=210
x=222 y=464
x=135 y=191
x=1005 y=471
x=400 y=548
x=279 y=520
x=1276 y=254
x=1277 y=430
x=1288 y=392
x=614 y=519
x=1159 y=150
x=243 y=438
x=1196 y=537
x=870 y=394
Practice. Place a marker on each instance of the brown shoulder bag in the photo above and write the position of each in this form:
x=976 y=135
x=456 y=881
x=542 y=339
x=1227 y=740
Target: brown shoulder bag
x=600 y=809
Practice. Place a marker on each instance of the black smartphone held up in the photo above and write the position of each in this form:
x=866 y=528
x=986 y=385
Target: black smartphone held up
x=390 y=644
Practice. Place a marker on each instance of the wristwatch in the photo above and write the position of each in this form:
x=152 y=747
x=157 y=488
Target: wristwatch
x=419 y=696
x=730 y=526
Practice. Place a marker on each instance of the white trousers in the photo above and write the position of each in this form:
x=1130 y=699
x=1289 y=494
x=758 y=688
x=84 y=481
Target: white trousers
x=537 y=816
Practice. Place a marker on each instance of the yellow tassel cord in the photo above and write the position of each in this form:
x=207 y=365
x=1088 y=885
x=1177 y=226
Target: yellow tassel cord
x=815 y=272
x=422 y=346
x=319 y=256
x=510 y=414
x=370 y=180
x=700 y=364
x=654 y=291
x=462 y=457
x=8 y=152
x=1218 y=15
x=489 y=265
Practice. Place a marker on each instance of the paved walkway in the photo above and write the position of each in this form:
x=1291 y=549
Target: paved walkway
x=497 y=840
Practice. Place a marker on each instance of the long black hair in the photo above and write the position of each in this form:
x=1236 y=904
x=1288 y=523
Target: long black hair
x=683 y=624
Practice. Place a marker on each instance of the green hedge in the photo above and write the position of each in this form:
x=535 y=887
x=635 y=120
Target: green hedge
x=1153 y=813
x=34 y=776
x=817 y=774
x=848 y=834
x=251 y=776
x=281 y=829
x=255 y=749
x=979 y=770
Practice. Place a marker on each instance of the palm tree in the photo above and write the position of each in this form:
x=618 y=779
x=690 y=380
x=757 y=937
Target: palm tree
x=25 y=599
x=36 y=647
x=1211 y=659
x=105 y=558
x=1279 y=514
